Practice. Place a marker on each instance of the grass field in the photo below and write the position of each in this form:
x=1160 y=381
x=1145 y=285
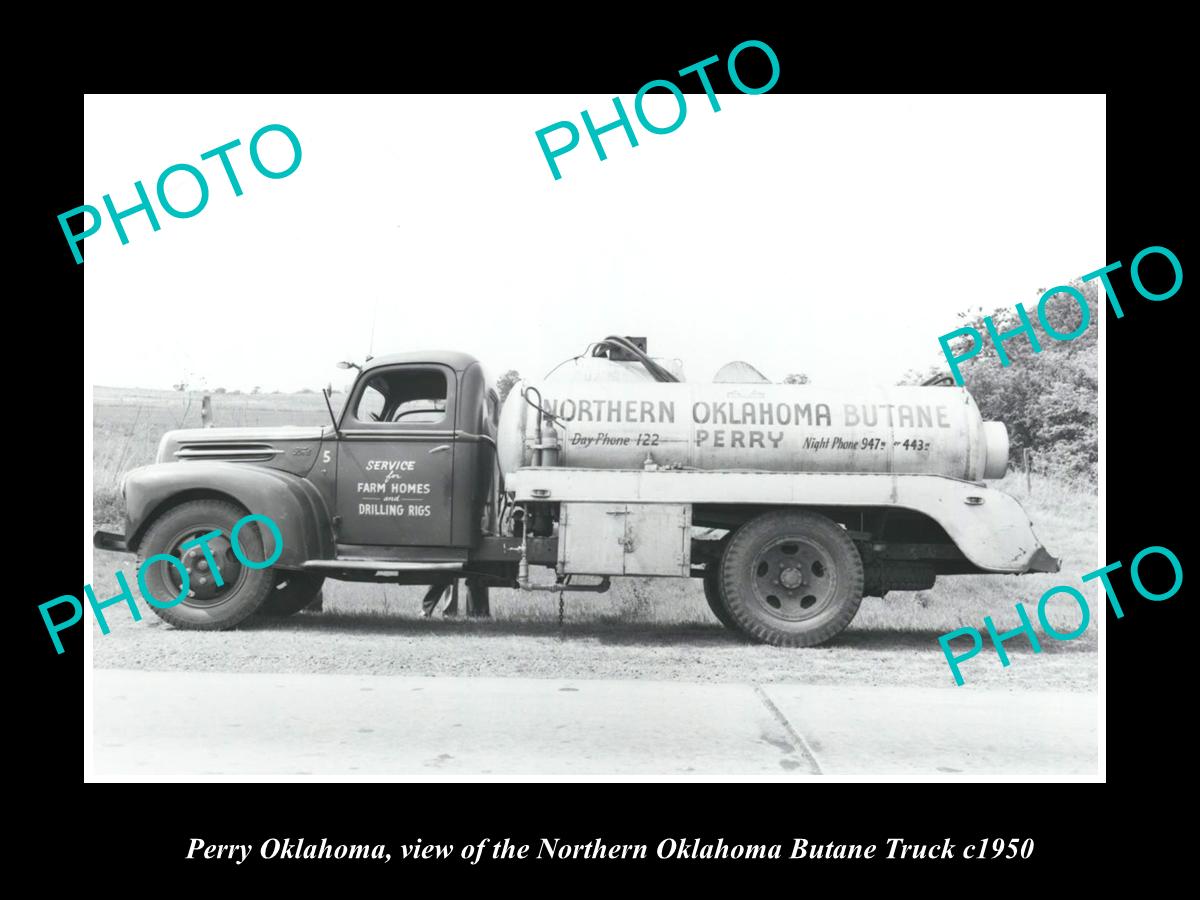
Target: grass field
x=666 y=618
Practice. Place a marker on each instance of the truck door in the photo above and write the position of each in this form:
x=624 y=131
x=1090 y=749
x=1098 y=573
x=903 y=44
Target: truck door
x=396 y=461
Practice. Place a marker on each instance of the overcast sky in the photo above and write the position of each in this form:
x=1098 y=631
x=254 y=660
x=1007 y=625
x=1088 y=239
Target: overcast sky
x=837 y=236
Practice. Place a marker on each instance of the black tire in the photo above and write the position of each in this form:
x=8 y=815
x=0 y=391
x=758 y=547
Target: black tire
x=293 y=592
x=716 y=602
x=792 y=579
x=207 y=607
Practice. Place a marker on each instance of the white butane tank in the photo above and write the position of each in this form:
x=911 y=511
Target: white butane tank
x=769 y=427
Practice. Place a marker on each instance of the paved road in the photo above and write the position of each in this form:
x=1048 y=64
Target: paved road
x=153 y=724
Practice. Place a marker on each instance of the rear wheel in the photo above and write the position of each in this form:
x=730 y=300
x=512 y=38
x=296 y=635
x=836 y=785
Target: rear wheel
x=207 y=604
x=293 y=592
x=793 y=579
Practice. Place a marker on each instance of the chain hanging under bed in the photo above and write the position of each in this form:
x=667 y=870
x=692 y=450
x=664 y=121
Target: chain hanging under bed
x=561 y=632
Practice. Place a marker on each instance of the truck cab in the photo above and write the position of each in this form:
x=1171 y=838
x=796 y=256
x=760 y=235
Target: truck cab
x=414 y=456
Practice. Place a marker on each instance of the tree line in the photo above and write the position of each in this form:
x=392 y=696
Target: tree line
x=1048 y=400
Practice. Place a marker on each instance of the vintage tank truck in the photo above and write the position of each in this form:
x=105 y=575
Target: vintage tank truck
x=789 y=502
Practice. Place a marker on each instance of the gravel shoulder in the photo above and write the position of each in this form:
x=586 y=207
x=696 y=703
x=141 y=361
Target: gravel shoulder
x=353 y=637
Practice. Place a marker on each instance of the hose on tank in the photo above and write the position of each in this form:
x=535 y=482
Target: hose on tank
x=656 y=371
x=542 y=411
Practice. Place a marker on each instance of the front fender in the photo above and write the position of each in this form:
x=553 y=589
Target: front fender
x=292 y=502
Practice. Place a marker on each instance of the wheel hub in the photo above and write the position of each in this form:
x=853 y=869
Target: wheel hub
x=791 y=578
x=794 y=578
x=203 y=587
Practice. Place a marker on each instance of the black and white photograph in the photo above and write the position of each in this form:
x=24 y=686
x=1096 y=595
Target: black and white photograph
x=685 y=435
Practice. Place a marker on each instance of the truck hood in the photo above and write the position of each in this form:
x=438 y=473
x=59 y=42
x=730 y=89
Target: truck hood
x=256 y=433
x=269 y=445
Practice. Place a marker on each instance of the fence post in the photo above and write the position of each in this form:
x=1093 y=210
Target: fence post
x=206 y=411
x=1028 y=459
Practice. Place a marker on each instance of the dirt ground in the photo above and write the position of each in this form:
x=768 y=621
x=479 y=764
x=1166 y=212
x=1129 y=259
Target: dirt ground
x=389 y=637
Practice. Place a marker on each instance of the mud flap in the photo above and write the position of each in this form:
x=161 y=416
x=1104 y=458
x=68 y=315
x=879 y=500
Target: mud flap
x=1042 y=561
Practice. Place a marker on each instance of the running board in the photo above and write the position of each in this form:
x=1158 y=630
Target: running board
x=382 y=565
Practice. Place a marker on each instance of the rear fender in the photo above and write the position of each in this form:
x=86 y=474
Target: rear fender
x=290 y=501
x=989 y=527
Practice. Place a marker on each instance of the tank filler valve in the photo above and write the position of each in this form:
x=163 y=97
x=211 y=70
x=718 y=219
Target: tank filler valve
x=549 y=444
x=523 y=565
x=523 y=570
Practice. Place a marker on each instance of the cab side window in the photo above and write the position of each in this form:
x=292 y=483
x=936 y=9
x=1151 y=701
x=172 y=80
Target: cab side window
x=405 y=396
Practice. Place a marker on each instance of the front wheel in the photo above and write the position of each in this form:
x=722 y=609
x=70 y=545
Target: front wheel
x=792 y=579
x=207 y=605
